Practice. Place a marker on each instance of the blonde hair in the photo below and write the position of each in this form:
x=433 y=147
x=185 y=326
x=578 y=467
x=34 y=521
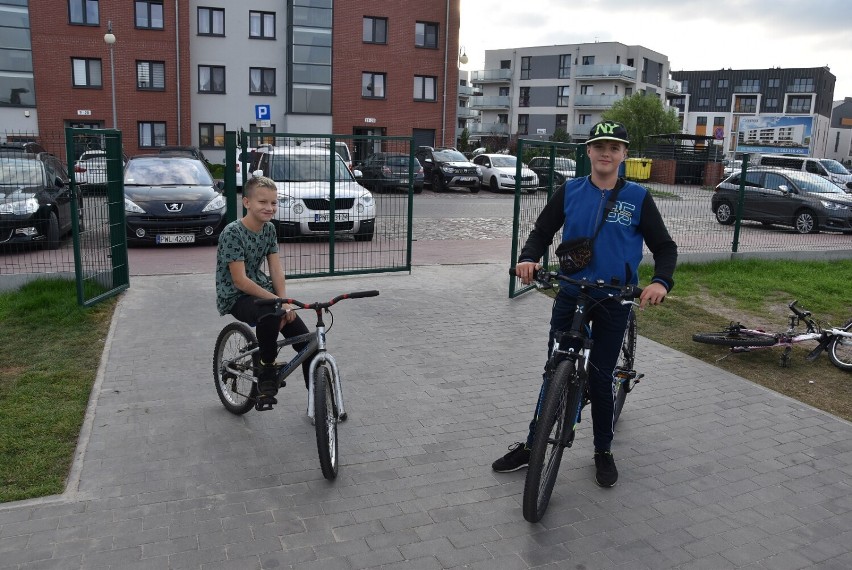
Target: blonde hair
x=257 y=180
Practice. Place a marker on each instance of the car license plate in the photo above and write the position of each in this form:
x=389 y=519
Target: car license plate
x=467 y=178
x=337 y=217
x=175 y=238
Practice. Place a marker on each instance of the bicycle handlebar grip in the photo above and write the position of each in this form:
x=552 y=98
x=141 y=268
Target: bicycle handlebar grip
x=264 y=302
x=361 y=294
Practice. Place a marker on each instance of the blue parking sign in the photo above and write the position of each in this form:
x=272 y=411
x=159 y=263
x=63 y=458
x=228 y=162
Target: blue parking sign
x=262 y=113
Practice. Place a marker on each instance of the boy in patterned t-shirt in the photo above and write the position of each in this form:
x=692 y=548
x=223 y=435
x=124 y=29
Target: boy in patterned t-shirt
x=243 y=247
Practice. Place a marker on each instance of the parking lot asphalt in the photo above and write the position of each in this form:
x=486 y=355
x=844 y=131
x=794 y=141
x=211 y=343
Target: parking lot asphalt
x=440 y=373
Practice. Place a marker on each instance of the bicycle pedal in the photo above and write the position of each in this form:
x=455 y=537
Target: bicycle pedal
x=265 y=403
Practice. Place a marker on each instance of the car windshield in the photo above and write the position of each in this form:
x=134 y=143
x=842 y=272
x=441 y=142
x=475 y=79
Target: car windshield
x=306 y=168
x=833 y=166
x=449 y=155
x=398 y=161
x=14 y=172
x=167 y=172
x=813 y=183
x=504 y=161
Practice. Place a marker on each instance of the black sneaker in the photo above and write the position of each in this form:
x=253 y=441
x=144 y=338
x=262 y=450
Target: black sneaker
x=267 y=380
x=517 y=458
x=605 y=472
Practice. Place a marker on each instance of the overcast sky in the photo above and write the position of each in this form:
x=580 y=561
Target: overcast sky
x=693 y=34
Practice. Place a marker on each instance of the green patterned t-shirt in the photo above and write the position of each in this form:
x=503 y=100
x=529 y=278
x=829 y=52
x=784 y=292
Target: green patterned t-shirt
x=238 y=243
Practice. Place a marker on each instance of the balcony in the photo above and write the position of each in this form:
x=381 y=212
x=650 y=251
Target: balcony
x=488 y=129
x=491 y=102
x=466 y=113
x=617 y=71
x=491 y=76
x=465 y=91
x=599 y=101
x=581 y=130
x=746 y=88
x=674 y=86
x=800 y=89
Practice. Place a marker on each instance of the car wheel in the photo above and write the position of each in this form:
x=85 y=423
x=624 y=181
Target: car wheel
x=724 y=213
x=52 y=241
x=474 y=189
x=438 y=182
x=493 y=185
x=806 y=222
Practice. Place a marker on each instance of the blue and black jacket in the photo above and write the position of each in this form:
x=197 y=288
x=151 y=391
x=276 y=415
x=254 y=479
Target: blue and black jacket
x=578 y=207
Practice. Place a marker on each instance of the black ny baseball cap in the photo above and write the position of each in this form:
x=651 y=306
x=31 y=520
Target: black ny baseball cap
x=609 y=131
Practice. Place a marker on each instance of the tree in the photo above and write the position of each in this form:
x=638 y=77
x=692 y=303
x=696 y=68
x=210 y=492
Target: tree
x=643 y=115
x=560 y=135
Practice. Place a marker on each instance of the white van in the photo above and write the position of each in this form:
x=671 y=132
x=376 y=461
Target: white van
x=825 y=167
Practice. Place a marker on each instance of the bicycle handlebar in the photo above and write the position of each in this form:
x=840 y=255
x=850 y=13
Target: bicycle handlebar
x=316 y=305
x=545 y=278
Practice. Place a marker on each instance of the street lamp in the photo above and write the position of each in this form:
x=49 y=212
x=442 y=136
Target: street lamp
x=109 y=38
x=463 y=56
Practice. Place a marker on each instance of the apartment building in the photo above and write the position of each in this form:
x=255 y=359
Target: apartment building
x=758 y=110
x=840 y=134
x=186 y=72
x=534 y=91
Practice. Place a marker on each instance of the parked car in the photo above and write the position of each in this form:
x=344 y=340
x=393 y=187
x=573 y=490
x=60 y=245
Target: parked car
x=731 y=166
x=444 y=167
x=304 y=194
x=837 y=173
x=90 y=170
x=805 y=201
x=341 y=147
x=389 y=171
x=35 y=199
x=498 y=173
x=172 y=200
x=187 y=151
x=563 y=168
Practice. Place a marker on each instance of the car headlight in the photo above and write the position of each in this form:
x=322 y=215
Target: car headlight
x=833 y=205
x=448 y=169
x=132 y=208
x=216 y=203
x=367 y=199
x=507 y=176
x=479 y=171
x=20 y=207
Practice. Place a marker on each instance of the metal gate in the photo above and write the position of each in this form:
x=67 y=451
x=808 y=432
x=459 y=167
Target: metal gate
x=343 y=212
x=553 y=163
x=97 y=192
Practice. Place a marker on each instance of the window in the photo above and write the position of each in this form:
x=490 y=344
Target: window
x=373 y=85
x=750 y=86
x=722 y=84
x=799 y=105
x=774 y=82
x=505 y=64
x=721 y=102
x=562 y=122
x=503 y=118
x=424 y=88
x=152 y=135
x=703 y=102
x=684 y=86
x=584 y=119
x=211 y=21
x=149 y=14
x=771 y=103
x=211 y=79
x=375 y=30
x=565 y=66
x=86 y=72
x=523 y=124
x=746 y=104
x=701 y=121
x=718 y=121
x=628 y=91
x=704 y=84
x=562 y=96
x=426 y=35
x=262 y=25
x=211 y=135
x=253 y=128
x=588 y=60
x=83 y=12
x=526 y=63
x=524 y=99
x=503 y=92
x=151 y=75
x=586 y=89
x=261 y=81
x=802 y=85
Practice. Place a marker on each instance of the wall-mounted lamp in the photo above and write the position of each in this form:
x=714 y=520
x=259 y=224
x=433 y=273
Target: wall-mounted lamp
x=463 y=59
x=26 y=113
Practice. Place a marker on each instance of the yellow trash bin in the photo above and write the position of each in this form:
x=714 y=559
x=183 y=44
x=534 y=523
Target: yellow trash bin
x=638 y=168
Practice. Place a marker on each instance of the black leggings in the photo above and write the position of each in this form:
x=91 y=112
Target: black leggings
x=267 y=329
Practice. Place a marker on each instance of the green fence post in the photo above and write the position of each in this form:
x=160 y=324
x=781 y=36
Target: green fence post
x=332 y=161
x=231 y=175
x=735 y=244
x=584 y=166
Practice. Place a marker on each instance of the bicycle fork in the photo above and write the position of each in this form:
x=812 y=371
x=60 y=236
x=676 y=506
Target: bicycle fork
x=323 y=357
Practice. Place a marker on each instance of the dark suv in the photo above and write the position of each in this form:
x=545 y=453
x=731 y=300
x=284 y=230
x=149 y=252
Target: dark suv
x=444 y=167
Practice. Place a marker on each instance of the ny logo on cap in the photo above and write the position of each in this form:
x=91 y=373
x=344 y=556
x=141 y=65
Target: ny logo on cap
x=605 y=128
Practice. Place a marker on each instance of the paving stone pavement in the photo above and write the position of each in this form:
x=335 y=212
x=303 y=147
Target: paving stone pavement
x=440 y=372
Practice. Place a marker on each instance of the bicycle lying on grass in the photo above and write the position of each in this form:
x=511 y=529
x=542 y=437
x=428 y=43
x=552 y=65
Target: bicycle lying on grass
x=235 y=371
x=568 y=386
x=836 y=341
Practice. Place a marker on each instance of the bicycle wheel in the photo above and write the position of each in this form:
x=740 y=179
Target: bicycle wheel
x=840 y=349
x=562 y=404
x=736 y=336
x=237 y=392
x=325 y=422
x=624 y=368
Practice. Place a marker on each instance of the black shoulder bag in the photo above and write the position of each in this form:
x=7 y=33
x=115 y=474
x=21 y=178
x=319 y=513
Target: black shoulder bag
x=576 y=254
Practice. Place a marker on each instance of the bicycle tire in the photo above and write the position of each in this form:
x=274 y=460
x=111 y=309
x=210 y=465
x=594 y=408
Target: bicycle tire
x=237 y=394
x=564 y=393
x=325 y=422
x=734 y=337
x=840 y=349
x=625 y=363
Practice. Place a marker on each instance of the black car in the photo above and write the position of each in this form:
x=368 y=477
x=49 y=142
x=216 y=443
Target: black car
x=172 y=200
x=444 y=167
x=389 y=171
x=562 y=168
x=35 y=199
x=187 y=151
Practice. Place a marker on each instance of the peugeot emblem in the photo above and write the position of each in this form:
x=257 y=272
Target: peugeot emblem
x=174 y=206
